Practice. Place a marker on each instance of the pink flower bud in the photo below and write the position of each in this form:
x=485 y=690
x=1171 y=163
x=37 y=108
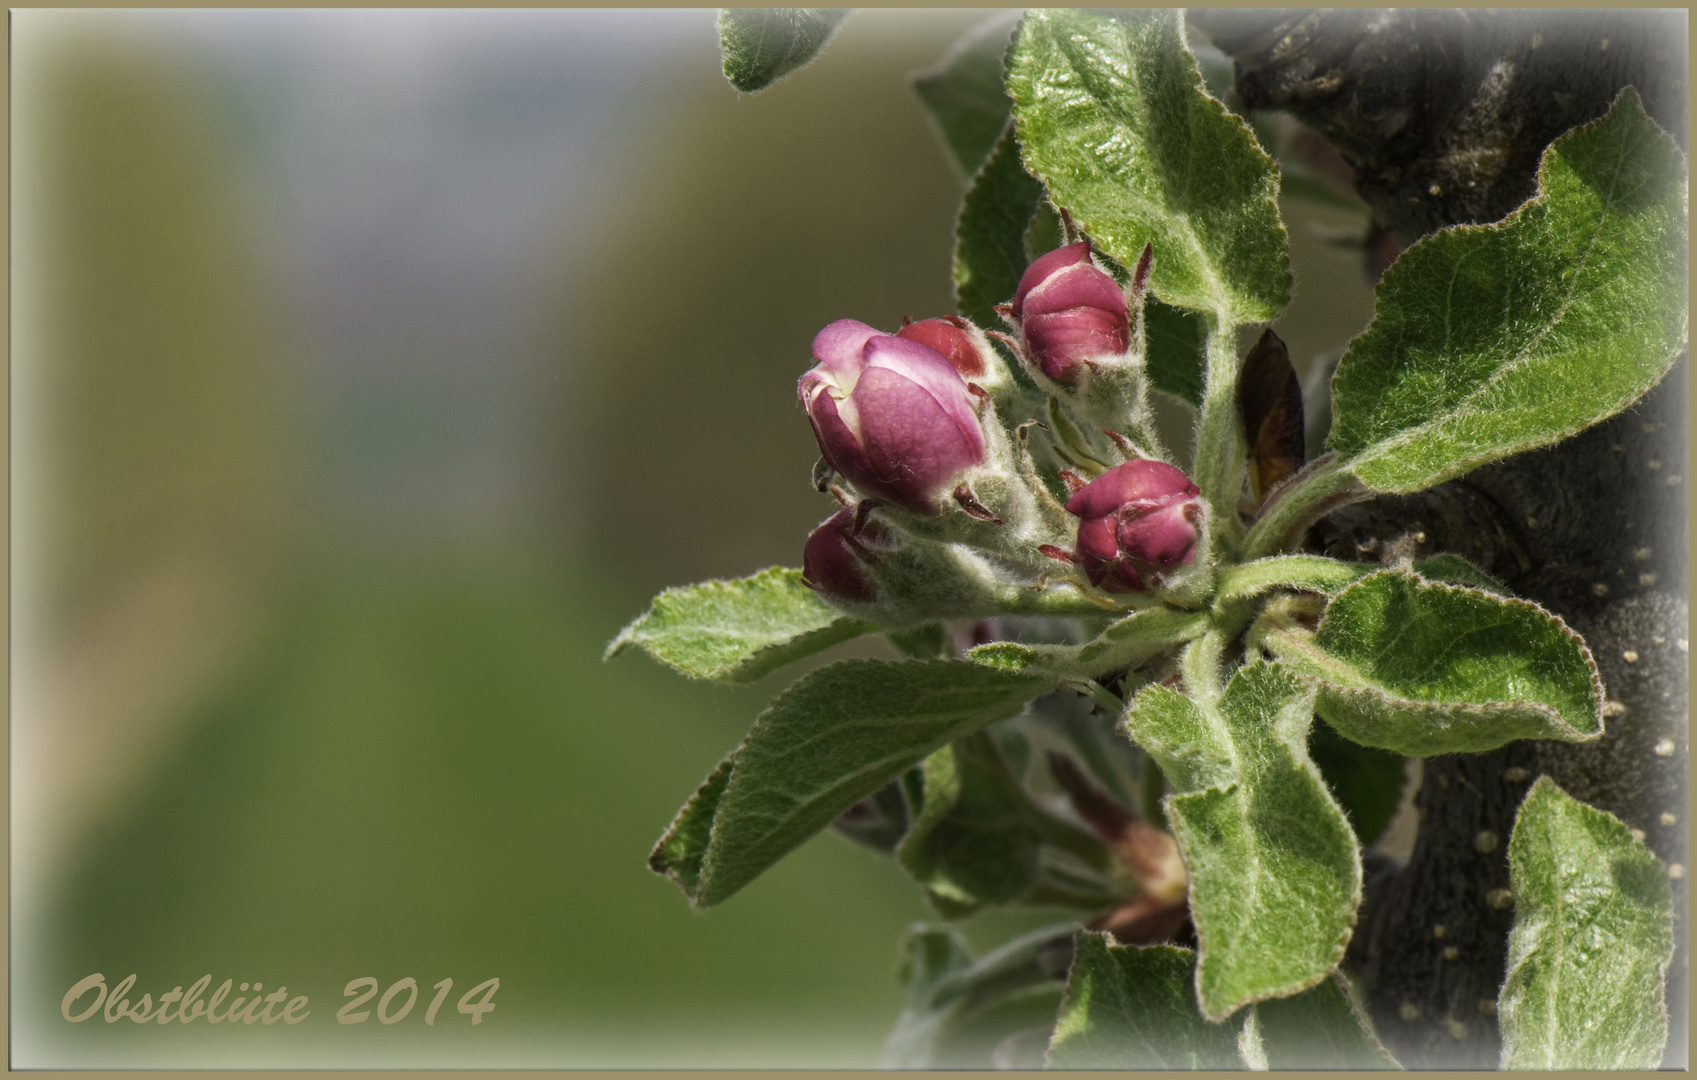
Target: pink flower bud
x=1138 y=519
x=1070 y=313
x=892 y=415
x=833 y=562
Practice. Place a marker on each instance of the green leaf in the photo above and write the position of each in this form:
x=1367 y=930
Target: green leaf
x=1194 y=753
x=1592 y=939
x=1275 y=874
x=1135 y=1008
x=1311 y=573
x=1493 y=339
x=1045 y=233
x=1173 y=340
x=1127 y=643
x=954 y=1000
x=969 y=843
x=1458 y=571
x=678 y=854
x=1365 y=781
x=1426 y=668
x=990 y=234
x=737 y=631
x=762 y=45
x=1114 y=120
x=964 y=96
x=1006 y=655
x=1322 y=1028
x=833 y=737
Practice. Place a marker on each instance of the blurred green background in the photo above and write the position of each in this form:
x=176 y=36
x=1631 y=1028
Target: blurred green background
x=372 y=370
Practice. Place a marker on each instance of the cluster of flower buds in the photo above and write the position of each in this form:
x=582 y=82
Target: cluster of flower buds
x=909 y=422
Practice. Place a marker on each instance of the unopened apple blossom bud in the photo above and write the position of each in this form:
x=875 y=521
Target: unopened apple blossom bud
x=1137 y=520
x=892 y=415
x=1071 y=314
x=953 y=338
x=834 y=561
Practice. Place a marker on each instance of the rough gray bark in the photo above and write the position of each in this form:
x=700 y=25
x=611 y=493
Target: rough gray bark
x=1443 y=116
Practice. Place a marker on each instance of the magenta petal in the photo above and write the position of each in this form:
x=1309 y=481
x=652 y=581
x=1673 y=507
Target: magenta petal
x=838 y=348
x=1135 y=481
x=1139 y=516
x=928 y=368
x=1047 y=264
x=1098 y=553
x=1076 y=286
x=911 y=440
x=1164 y=537
x=1062 y=341
x=1096 y=540
x=841 y=447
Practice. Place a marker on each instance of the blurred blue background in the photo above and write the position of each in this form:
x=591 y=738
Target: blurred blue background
x=371 y=369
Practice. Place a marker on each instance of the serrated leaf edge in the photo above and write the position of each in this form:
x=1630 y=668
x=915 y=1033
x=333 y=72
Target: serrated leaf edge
x=764 y=713
x=1304 y=762
x=740 y=672
x=1598 y=693
x=657 y=862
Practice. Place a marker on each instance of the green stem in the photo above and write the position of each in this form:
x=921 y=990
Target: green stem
x=1107 y=699
x=1288 y=514
x=1219 y=441
x=1199 y=666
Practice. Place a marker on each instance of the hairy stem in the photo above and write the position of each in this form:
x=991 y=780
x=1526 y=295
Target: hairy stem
x=1219 y=444
x=1325 y=485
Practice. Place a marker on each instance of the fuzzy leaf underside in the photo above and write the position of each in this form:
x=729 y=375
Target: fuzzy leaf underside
x=679 y=851
x=1366 y=781
x=964 y=94
x=1194 y=754
x=1127 y=1007
x=969 y=843
x=738 y=631
x=1321 y=1028
x=1422 y=668
x=1311 y=573
x=1592 y=939
x=759 y=46
x=1113 y=118
x=833 y=737
x=951 y=994
x=1275 y=872
x=1125 y=644
x=1492 y=339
